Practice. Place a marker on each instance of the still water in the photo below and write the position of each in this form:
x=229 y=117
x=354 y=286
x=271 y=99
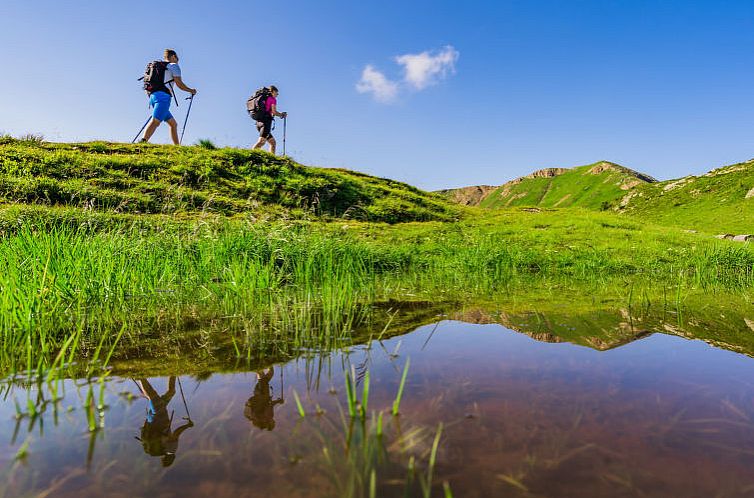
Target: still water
x=658 y=416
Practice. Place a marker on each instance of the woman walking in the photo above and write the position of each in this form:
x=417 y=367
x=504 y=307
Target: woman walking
x=264 y=125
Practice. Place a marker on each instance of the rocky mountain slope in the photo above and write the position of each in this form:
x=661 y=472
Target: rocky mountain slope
x=592 y=186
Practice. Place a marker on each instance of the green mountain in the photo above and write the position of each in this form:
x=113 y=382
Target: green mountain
x=717 y=202
x=594 y=186
x=188 y=181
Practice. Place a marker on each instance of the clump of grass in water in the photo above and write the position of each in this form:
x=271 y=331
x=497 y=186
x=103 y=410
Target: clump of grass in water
x=299 y=406
x=357 y=408
x=357 y=455
x=399 y=395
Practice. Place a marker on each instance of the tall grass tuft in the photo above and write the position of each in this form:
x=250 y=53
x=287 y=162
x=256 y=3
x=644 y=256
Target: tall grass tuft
x=399 y=395
x=206 y=143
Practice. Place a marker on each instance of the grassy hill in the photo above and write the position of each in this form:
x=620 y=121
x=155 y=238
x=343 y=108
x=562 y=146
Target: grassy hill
x=186 y=181
x=594 y=186
x=717 y=202
x=721 y=201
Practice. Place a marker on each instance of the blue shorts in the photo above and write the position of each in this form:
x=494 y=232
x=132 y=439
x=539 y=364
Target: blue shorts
x=160 y=102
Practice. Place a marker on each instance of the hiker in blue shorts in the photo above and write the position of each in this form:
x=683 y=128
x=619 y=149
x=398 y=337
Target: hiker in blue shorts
x=157 y=435
x=158 y=83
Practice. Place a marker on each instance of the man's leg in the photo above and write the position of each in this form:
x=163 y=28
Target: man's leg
x=151 y=127
x=171 y=390
x=160 y=102
x=147 y=390
x=173 y=130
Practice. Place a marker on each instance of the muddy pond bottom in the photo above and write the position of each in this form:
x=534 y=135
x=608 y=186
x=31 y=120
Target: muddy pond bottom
x=484 y=412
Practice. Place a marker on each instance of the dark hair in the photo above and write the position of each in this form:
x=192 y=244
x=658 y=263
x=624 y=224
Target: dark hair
x=169 y=52
x=273 y=88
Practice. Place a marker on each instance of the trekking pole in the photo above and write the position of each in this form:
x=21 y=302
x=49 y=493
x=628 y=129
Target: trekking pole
x=285 y=121
x=142 y=129
x=180 y=386
x=191 y=101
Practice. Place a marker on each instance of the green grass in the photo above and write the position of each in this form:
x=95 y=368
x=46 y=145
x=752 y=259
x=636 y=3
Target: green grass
x=61 y=281
x=714 y=203
x=85 y=264
x=150 y=259
x=154 y=179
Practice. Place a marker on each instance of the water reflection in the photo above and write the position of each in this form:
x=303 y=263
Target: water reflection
x=533 y=413
x=157 y=435
x=260 y=407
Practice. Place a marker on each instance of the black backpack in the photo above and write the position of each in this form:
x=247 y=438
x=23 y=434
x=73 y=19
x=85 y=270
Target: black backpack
x=154 y=77
x=255 y=105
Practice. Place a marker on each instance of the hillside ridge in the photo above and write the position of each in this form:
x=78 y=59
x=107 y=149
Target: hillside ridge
x=593 y=186
x=145 y=179
x=719 y=201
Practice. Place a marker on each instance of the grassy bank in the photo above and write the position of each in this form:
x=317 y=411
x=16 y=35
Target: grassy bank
x=63 y=280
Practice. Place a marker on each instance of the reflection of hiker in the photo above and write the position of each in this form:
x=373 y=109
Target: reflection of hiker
x=157 y=437
x=260 y=408
x=158 y=83
x=262 y=107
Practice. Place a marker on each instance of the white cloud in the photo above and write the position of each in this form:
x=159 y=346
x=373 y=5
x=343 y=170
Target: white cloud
x=374 y=82
x=420 y=71
x=424 y=69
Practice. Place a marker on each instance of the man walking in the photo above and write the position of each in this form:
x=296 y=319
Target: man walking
x=158 y=83
x=264 y=125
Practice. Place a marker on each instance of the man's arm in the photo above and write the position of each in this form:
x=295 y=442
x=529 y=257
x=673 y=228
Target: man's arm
x=180 y=84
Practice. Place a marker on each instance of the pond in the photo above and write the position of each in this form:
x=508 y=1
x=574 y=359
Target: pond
x=485 y=411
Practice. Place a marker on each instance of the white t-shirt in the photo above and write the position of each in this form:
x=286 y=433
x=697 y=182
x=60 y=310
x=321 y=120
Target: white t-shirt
x=171 y=71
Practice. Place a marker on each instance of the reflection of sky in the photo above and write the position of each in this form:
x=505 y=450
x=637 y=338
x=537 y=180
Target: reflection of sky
x=502 y=395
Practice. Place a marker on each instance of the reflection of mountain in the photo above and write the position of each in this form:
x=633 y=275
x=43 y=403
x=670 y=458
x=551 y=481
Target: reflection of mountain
x=601 y=330
x=604 y=329
x=202 y=349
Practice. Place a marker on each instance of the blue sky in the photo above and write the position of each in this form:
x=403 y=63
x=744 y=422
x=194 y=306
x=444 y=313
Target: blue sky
x=664 y=87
